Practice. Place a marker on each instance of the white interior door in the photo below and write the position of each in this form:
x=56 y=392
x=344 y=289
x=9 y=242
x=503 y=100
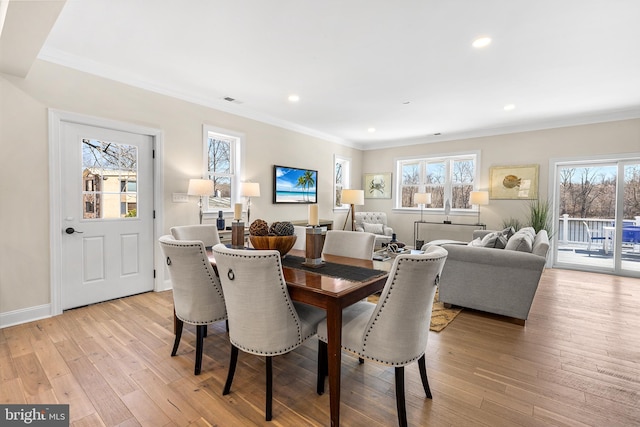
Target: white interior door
x=107 y=214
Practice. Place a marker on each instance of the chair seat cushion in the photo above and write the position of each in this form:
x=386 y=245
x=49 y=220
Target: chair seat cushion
x=354 y=321
x=309 y=318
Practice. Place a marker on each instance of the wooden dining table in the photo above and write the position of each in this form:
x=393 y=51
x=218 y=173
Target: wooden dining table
x=331 y=293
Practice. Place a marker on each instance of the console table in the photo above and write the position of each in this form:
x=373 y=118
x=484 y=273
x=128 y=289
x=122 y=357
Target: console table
x=442 y=228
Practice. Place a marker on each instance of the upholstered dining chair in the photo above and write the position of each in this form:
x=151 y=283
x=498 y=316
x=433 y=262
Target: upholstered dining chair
x=207 y=233
x=197 y=294
x=352 y=244
x=393 y=332
x=262 y=318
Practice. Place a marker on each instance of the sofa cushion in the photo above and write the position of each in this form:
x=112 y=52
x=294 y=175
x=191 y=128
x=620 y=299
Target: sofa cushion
x=521 y=241
x=373 y=228
x=494 y=240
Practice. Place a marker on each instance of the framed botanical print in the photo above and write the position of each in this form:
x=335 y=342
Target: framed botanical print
x=514 y=182
x=377 y=185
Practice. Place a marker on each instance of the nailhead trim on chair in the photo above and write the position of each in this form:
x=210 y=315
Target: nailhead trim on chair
x=364 y=344
x=291 y=310
x=205 y=260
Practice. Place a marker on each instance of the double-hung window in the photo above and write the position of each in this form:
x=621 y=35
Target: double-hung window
x=449 y=178
x=222 y=154
x=341 y=174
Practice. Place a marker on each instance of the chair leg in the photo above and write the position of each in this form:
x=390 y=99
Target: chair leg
x=422 y=365
x=232 y=370
x=179 y=325
x=269 y=381
x=200 y=331
x=323 y=363
x=400 y=403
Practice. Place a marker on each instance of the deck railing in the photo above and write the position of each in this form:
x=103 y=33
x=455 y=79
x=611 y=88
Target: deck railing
x=572 y=230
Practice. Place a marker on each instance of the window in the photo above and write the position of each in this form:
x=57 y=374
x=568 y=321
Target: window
x=341 y=175
x=223 y=167
x=448 y=178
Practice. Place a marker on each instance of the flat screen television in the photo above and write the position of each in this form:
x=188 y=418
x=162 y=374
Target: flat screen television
x=294 y=185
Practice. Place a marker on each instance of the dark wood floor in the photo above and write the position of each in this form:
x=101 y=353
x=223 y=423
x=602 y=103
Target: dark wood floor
x=575 y=363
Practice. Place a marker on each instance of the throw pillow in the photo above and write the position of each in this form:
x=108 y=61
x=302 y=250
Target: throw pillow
x=373 y=228
x=508 y=232
x=476 y=242
x=529 y=230
x=494 y=240
x=520 y=242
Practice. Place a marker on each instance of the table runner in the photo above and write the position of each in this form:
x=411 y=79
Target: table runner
x=342 y=271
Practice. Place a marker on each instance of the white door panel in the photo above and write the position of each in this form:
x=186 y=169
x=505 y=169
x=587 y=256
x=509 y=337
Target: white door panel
x=107 y=182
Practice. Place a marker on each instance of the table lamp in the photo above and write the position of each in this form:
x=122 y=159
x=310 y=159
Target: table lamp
x=249 y=190
x=422 y=199
x=352 y=198
x=202 y=188
x=479 y=198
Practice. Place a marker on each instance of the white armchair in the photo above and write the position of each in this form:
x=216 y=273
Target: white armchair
x=376 y=223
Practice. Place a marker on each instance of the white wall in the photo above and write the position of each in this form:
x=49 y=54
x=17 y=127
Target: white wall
x=24 y=194
x=24 y=213
x=535 y=147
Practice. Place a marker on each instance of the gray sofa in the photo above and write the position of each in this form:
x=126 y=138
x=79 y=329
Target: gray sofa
x=500 y=281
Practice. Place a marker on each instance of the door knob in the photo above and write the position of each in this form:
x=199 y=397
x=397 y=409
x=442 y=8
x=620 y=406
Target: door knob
x=71 y=230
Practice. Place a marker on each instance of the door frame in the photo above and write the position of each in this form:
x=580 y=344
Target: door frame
x=56 y=225
x=554 y=164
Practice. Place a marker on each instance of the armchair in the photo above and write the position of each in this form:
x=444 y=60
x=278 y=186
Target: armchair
x=376 y=223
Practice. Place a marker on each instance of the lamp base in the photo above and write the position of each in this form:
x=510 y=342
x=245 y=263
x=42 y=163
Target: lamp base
x=237 y=235
x=313 y=249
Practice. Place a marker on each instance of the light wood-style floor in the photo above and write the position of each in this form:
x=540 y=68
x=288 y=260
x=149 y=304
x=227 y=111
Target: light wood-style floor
x=575 y=363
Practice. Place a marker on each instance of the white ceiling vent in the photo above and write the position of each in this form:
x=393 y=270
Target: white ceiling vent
x=230 y=99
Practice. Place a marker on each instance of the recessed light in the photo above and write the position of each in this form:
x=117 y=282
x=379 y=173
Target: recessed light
x=481 y=42
x=509 y=107
x=371 y=130
x=293 y=98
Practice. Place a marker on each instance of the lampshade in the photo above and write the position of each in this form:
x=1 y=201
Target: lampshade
x=353 y=197
x=200 y=187
x=250 y=189
x=479 y=198
x=422 y=198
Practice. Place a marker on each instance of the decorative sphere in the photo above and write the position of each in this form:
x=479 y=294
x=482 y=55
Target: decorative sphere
x=284 y=228
x=259 y=227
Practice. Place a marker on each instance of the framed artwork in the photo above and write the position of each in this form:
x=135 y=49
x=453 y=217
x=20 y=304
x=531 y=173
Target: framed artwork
x=377 y=185
x=513 y=182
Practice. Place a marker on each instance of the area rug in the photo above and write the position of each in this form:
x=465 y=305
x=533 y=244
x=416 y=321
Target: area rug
x=440 y=316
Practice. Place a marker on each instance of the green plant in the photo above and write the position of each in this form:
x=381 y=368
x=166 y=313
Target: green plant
x=512 y=222
x=540 y=216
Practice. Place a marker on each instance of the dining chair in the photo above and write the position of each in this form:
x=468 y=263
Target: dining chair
x=394 y=331
x=262 y=318
x=197 y=295
x=591 y=237
x=352 y=244
x=207 y=233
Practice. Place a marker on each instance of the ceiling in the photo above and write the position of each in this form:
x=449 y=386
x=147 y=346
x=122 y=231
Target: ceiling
x=406 y=68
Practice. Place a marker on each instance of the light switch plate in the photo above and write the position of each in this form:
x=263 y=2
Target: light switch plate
x=180 y=197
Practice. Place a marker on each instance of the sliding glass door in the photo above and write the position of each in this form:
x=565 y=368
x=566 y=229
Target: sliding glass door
x=597 y=209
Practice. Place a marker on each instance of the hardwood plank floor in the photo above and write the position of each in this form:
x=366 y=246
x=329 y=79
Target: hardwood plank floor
x=575 y=363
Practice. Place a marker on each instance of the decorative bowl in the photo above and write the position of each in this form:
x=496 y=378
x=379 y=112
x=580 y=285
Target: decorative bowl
x=282 y=244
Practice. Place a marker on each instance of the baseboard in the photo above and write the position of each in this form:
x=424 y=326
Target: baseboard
x=24 y=315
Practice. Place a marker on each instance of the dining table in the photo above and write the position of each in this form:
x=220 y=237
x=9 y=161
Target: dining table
x=339 y=283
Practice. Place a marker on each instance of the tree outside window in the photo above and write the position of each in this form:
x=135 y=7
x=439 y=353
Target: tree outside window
x=446 y=178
